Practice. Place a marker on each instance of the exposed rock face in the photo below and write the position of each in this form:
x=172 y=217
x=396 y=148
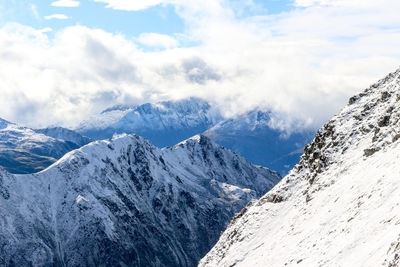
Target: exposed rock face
x=337 y=207
x=124 y=202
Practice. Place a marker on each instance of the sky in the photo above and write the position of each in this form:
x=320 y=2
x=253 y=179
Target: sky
x=62 y=61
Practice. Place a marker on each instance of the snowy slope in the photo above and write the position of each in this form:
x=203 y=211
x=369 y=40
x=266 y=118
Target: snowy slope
x=251 y=136
x=125 y=202
x=340 y=205
x=24 y=150
x=163 y=123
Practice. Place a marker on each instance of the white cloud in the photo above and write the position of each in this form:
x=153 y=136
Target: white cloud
x=66 y=3
x=157 y=40
x=302 y=64
x=35 y=11
x=131 y=5
x=47 y=29
x=56 y=16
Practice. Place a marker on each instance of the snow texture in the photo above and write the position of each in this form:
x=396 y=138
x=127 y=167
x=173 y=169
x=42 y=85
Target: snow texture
x=339 y=205
x=125 y=202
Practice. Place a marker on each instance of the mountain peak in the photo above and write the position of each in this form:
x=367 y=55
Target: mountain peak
x=198 y=138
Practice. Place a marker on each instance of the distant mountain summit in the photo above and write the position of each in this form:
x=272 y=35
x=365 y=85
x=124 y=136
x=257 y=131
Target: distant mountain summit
x=125 y=202
x=164 y=123
x=340 y=205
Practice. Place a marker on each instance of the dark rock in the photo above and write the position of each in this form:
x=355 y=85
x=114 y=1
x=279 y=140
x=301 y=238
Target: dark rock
x=383 y=122
x=369 y=152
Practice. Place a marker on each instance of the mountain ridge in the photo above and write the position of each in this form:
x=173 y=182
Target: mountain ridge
x=333 y=204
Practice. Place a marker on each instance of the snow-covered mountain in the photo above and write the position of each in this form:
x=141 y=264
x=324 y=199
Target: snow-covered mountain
x=252 y=136
x=163 y=123
x=125 y=202
x=24 y=150
x=340 y=205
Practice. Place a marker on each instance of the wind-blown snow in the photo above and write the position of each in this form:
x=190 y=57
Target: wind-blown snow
x=339 y=205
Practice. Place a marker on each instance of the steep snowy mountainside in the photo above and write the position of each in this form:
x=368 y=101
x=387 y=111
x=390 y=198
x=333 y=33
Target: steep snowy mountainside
x=163 y=123
x=338 y=206
x=61 y=133
x=125 y=202
x=24 y=150
x=251 y=136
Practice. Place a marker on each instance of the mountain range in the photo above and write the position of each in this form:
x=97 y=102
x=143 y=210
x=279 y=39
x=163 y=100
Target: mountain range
x=166 y=123
x=125 y=202
x=339 y=205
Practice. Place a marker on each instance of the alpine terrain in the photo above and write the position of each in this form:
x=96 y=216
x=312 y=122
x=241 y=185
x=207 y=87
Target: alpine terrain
x=125 y=202
x=25 y=150
x=166 y=123
x=340 y=205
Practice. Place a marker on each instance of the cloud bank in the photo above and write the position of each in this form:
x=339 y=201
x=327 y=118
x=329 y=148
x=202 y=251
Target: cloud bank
x=302 y=64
